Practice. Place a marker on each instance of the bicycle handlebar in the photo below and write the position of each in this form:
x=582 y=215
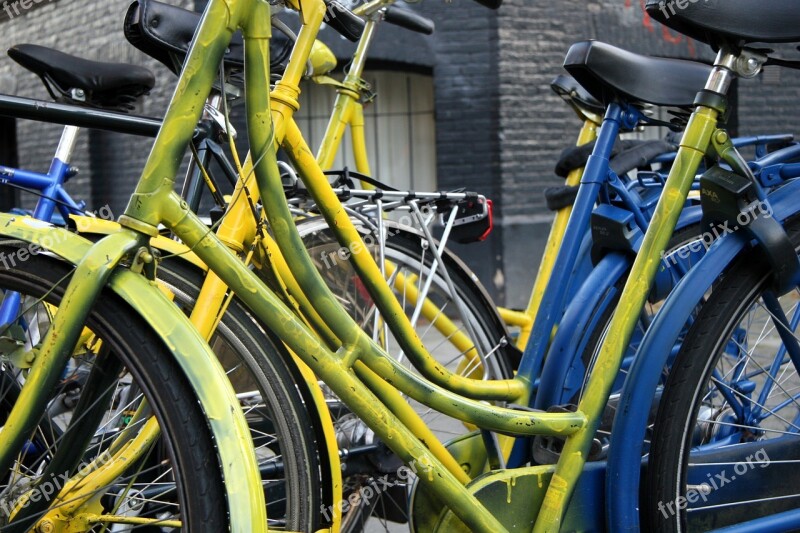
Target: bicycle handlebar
x=409 y=20
x=341 y=19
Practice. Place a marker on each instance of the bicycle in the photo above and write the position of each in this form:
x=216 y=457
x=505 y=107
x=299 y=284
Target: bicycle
x=118 y=123
x=245 y=352
x=467 y=508
x=99 y=118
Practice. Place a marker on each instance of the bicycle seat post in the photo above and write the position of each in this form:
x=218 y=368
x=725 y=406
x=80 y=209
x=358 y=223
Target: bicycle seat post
x=59 y=168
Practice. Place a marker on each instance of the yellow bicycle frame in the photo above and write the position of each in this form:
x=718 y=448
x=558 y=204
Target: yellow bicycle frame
x=355 y=369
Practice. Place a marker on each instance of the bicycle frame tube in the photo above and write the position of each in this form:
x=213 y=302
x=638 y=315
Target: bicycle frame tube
x=340 y=223
x=552 y=302
x=558 y=230
x=50 y=185
x=348 y=110
x=693 y=148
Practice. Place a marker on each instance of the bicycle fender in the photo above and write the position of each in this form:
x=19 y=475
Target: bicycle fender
x=630 y=423
x=582 y=308
x=194 y=356
x=100 y=226
x=323 y=423
x=564 y=349
x=632 y=412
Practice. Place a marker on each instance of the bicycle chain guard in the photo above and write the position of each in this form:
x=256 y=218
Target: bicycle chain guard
x=513 y=496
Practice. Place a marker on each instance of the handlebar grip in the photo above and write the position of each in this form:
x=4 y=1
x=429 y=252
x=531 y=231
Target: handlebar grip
x=341 y=19
x=491 y=4
x=409 y=20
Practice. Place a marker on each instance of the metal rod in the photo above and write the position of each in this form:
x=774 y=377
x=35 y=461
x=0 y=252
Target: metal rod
x=73 y=115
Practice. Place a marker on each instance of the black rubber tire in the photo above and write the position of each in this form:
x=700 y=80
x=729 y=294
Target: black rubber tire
x=259 y=360
x=186 y=436
x=675 y=426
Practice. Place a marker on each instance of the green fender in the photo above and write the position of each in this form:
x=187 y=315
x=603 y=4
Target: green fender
x=227 y=422
x=318 y=408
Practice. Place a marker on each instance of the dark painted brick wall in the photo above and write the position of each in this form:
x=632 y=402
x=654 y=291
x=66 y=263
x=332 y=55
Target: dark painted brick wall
x=499 y=128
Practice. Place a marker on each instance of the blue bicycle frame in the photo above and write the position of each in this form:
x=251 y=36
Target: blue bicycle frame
x=569 y=307
x=53 y=196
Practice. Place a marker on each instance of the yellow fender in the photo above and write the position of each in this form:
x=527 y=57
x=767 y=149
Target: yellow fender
x=323 y=425
x=190 y=351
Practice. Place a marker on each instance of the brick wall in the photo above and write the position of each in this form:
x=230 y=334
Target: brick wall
x=499 y=128
x=109 y=163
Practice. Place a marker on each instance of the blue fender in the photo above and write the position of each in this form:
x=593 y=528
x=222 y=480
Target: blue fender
x=565 y=348
x=585 y=305
x=630 y=422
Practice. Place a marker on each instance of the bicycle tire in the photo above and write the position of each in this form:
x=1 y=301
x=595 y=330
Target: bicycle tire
x=405 y=249
x=695 y=423
x=186 y=439
x=255 y=361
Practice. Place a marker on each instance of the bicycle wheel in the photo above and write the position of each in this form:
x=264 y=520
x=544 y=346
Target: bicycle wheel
x=726 y=443
x=488 y=355
x=119 y=374
x=272 y=403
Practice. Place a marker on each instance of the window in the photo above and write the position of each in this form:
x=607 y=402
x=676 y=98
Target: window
x=399 y=127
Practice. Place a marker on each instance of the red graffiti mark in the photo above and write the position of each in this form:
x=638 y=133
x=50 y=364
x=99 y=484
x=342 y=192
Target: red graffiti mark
x=647 y=22
x=666 y=33
x=672 y=39
x=692 y=48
